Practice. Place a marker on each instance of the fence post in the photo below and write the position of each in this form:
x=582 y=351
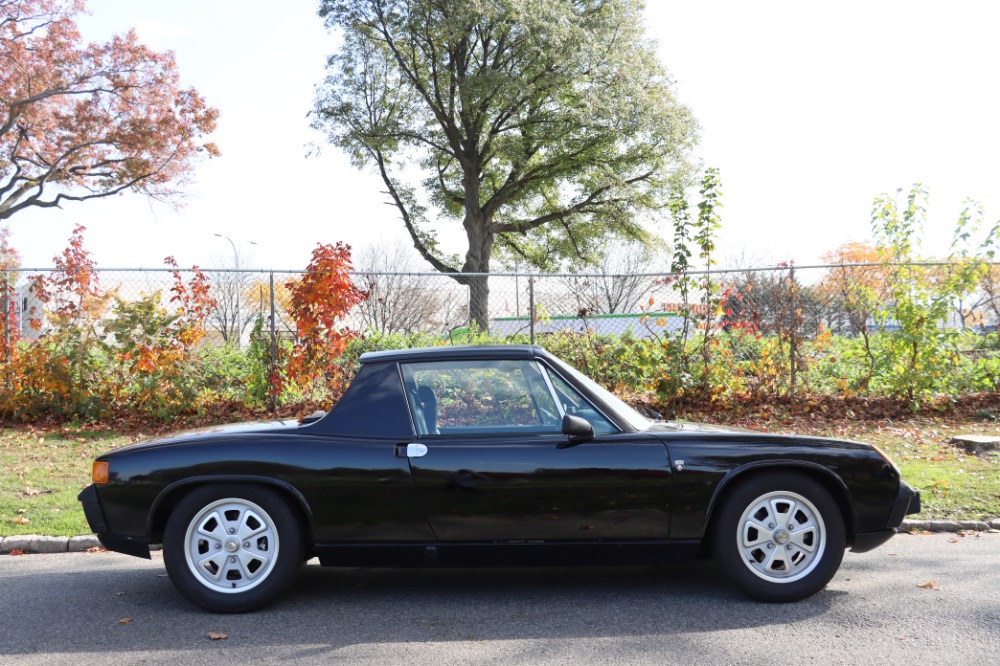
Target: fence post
x=531 y=307
x=793 y=341
x=517 y=297
x=274 y=341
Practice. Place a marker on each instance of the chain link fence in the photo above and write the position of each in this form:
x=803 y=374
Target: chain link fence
x=788 y=301
x=767 y=325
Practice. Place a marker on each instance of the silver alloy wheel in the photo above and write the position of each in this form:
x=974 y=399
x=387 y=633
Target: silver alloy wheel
x=781 y=537
x=231 y=545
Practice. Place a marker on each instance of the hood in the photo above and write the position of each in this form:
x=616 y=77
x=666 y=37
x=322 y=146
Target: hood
x=746 y=434
x=686 y=426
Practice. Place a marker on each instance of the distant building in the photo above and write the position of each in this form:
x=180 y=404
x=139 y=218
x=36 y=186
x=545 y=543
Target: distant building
x=26 y=307
x=640 y=325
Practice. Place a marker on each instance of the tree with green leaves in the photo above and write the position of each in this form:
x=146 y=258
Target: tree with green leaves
x=923 y=355
x=540 y=126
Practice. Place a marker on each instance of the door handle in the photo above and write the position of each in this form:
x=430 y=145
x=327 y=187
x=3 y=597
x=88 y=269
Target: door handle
x=412 y=450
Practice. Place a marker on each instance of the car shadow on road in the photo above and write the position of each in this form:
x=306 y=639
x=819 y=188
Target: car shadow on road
x=497 y=604
x=330 y=608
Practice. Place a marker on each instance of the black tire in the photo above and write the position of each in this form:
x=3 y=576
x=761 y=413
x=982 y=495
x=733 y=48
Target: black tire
x=232 y=548
x=756 y=549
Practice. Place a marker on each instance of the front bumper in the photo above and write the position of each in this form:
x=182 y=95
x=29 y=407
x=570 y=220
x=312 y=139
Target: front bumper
x=907 y=502
x=94 y=514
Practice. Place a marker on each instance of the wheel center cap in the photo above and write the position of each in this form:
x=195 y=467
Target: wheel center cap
x=232 y=546
x=781 y=537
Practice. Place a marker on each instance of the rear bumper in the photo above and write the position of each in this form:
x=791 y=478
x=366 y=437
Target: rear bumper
x=907 y=502
x=95 y=518
x=92 y=510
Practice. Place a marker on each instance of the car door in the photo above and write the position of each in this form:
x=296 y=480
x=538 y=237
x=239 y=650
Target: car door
x=490 y=462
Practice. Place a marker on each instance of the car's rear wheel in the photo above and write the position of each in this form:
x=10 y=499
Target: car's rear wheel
x=779 y=536
x=232 y=548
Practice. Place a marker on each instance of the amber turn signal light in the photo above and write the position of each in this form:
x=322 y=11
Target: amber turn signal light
x=99 y=472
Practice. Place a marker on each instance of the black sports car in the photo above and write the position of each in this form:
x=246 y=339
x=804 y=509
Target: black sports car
x=488 y=456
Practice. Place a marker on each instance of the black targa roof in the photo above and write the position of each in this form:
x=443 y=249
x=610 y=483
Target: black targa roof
x=458 y=351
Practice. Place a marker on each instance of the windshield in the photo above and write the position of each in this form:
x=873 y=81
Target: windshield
x=631 y=416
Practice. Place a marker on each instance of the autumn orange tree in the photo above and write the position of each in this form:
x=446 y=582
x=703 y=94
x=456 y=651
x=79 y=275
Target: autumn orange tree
x=854 y=291
x=61 y=372
x=318 y=303
x=80 y=121
x=153 y=345
x=97 y=353
x=857 y=285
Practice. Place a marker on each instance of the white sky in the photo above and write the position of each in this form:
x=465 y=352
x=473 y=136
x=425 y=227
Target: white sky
x=809 y=110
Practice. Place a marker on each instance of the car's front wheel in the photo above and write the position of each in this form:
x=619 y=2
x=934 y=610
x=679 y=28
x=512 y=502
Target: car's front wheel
x=779 y=536
x=232 y=548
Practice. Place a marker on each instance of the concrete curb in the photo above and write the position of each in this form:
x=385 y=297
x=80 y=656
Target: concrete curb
x=33 y=543
x=950 y=525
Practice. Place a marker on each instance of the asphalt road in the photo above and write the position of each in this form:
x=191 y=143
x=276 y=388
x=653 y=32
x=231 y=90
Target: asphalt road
x=66 y=609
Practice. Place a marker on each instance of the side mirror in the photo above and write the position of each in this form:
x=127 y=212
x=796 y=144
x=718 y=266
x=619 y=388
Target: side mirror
x=577 y=429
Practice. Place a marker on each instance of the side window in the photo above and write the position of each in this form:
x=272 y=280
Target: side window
x=479 y=397
x=574 y=403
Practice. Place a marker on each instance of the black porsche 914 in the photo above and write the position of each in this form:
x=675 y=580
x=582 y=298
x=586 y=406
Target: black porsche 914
x=489 y=456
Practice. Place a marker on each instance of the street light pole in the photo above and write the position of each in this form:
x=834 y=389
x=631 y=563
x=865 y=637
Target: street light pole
x=236 y=255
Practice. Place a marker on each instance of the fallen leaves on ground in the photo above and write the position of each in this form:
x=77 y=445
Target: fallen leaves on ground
x=20 y=520
x=97 y=549
x=16 y=551
x=126 y=620
x=812 y=410
x=217 y=635
x=929 y=585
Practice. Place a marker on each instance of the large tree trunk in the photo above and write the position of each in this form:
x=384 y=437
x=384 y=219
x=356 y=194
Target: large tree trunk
x=479 y=302
x=477 y=263
x=477 y=259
